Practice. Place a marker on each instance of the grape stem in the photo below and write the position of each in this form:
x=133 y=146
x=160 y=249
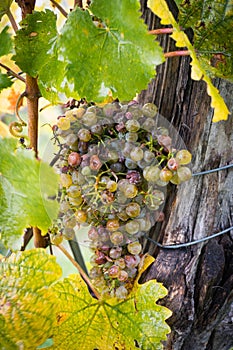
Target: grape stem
x=12 y=20
x=12 y=73
x=161 y=31
x=177 y=53
x=60 y=8
x=80 y=270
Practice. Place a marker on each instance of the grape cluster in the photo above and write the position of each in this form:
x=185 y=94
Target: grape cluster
x=114 y=163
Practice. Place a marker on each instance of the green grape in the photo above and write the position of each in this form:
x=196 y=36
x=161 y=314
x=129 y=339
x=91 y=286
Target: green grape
x=71 y=139
x=183 y=157
x=132 y=227
x=175 y=179
x=81 y=216
x=122 y=214
x=65 y=180
x=74 y=191
x=121 y=292
x=89 y=119
x=69 y=220
x=113 y=225
x=136 y=154
x=148 y=156
x=117 y=237
x=63 y=123
x=56 y=238
x=111 y=186
x=134 y=248
x=64 y=206
x=68 y=233
x=145 y=224
x=184 y=174
x=151 y=173
x=132 y=125
x=149 y=110
x=131 y=136
x=78 y=178
x=130 y=191
x=122 y=184
x=120 y=262
x=84 y=135
x=86 y=171
x=130 y=164
x=166 y=175
x=76 y=201
x=133 y=209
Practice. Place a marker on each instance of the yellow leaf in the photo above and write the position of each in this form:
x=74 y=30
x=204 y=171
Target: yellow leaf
x=160 y=8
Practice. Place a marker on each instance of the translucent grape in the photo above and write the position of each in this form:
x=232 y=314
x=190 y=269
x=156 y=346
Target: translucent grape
x=133 y=209
x=132 y=125
x=74 y=191
x=56 y=238
x=132 y=227
x=151 y=173
x=173 y=164
x=84 y=135
x=149 y=110
x=113 y=271
x=112 y=186
x=121 y=292
x=117 y=237
x=183 y=157
x=113 y=225
x=166 y=175
x=134 y=248
x=184 y=173
x=136 y=154
x=65 y=180
x=63 y=123
x=89 y=119
x=81 y=216
x=130 y=191
x=115 y=253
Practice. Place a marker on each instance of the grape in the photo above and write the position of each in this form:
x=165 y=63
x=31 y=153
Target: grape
x=133 y=209
x=132 y=261
x=133 y=177
x=74 y=159
x=166 y=175
x=151 y=173
x=56 y=238
x=81 y=216
x=117 y=237
x=183 y=157
x=121 y=292
x=74 y=191
x=130 y=191
x=136 y=154
x=120 y=262
x=173 y=164
x=112 y=186
x=115 y=253
x=113 y=271
x=132 y=125
x=86 y=171
x=184 y=174
x=95 y=272
x=71 y=140
x=65 y=180
x=89 y=119
x=165 y=141
x=132 y=227
x=149 y=110
x=63 y=123
x=68 y=233
x=130 y=164
x=78 y=112
x=84 y=135
x=95 y=162
x=122 y=184
x=131 y=136
x=134 y=248
x=100 y=258
x=93 y=234
x=149 y=156
x=76 y=201
x=123 y=276
x=113 y=225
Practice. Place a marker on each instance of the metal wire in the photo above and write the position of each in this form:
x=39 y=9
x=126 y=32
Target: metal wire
x=213 y=170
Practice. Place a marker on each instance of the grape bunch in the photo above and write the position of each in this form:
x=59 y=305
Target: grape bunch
x=114 y=164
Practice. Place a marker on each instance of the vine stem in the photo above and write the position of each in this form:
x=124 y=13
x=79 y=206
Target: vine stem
x=12 y=20
x=12 y=73
x=60 y=8
x=161 y=31
x=80 y=270
x=177 y=53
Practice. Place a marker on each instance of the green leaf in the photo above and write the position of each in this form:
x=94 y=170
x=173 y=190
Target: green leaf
x=119 y=56
x=26 y=186
x=211 y=22
x=5 y=42
x=5 y=81
x=160 y=8
x=28 y=302
x=4 y=7
x=33 y=41
x=6 y=341
x=109 y=324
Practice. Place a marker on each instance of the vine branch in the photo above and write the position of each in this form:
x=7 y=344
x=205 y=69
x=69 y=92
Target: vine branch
x=177 y=53
x=60 y=8
x=12 y=20
x=12 y=73
x=161 y=31
x=80 y=270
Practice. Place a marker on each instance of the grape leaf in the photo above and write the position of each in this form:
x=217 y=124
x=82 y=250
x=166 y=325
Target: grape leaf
x=109 y=324
x=118 y=55
x=212 y=23
x=160 y=8
x=5 y=81
x=27 y=300
x=33 y=40
x=4 y=7
x=5 y=42
x=26 y=185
